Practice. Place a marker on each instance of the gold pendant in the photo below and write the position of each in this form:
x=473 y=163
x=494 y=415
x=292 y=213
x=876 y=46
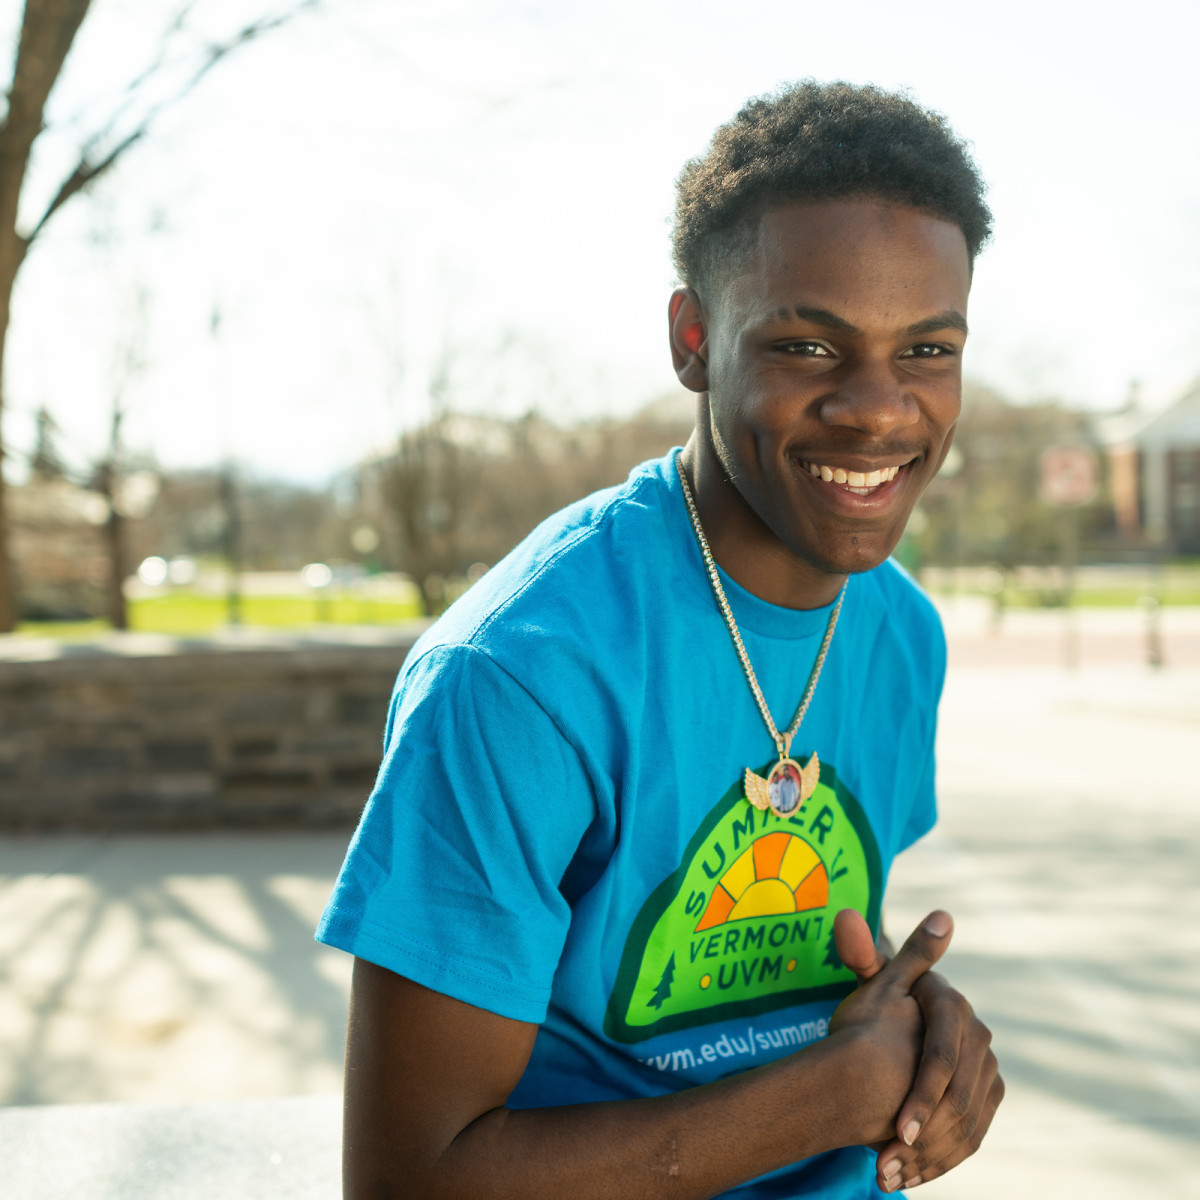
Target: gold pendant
x=786 y=787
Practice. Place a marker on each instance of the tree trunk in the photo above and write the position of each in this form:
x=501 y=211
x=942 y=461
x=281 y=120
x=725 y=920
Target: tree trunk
x=48 y=28
x=8 y=609
x=8 y=590
x=114 y=539
x=232 y=537
x=118 y=613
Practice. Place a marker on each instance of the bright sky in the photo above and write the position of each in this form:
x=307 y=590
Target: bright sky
x=383 y=187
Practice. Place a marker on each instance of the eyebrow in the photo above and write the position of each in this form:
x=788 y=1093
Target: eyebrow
x=820 y=316
x=950 y=319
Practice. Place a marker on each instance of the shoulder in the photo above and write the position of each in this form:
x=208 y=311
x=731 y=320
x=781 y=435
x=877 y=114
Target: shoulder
x=569 y=581
x=904 y=598
x=895 y=610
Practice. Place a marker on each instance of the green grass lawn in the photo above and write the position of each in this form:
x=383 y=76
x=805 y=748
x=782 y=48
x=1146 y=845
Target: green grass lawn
x=1109 y=597
x=191 y=614
x=1176 y=586
x=187 y=613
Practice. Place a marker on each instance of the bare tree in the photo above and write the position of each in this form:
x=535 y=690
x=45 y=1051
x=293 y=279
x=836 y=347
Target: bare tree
x=425 y=484
x=46 y=461
x=107 y=483
x=48 y=30
x=109 y=476
x=463 y=488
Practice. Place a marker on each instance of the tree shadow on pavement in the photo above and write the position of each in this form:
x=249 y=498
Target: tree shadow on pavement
x=168 y=967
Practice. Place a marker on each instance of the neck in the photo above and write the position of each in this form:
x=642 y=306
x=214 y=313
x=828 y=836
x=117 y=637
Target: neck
x=744 y=547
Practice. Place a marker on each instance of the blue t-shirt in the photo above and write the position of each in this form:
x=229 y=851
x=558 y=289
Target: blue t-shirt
x=559 y=831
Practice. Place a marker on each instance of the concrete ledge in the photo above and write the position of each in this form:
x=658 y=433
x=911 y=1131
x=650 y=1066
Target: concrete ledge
x=286 y=1149
x=21 y=648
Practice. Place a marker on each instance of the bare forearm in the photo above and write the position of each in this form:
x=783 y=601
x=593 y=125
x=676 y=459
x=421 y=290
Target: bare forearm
x=428 y=1078
x=692 y=1144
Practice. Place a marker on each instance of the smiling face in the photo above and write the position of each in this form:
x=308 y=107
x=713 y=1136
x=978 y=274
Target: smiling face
x=829 y=358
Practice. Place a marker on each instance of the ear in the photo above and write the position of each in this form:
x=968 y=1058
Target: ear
x=689 y=339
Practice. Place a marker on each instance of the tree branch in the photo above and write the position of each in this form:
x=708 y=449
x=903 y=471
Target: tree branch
x=152 y=68
x=88 y=171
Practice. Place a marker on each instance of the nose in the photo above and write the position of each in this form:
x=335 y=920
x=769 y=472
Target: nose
x=872 y=398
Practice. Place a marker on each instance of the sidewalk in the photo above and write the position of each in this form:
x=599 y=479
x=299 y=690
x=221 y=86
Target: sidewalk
x=165 y=1013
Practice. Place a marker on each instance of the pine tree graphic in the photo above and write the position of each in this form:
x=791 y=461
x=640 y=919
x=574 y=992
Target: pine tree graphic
x=664 y=984
x=831 y=955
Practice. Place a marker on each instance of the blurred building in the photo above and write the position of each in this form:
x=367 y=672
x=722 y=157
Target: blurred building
x=58 y=548
x=1154 y=472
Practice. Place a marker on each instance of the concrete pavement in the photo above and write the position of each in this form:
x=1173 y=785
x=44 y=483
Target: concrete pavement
x=157 y=992
x=1068 y=853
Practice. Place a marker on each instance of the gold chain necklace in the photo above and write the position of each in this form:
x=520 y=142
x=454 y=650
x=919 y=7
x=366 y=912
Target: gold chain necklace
x=788 y=785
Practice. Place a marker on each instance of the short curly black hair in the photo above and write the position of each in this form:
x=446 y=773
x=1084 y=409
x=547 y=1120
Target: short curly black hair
x=821 y=141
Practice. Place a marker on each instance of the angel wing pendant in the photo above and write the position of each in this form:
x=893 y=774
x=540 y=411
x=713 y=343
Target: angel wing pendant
x=786 y=787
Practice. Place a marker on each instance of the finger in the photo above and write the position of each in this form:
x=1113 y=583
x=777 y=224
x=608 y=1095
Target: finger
x=971 y=1129
x=855 y=945
x=923 y=947
x=953 y=1055
x=941 y=1143
x=970 y=1081
x=954 y=1119
x=955 y=1067
x=904 y=1169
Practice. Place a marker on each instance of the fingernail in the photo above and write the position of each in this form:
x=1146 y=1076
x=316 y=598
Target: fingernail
x=889 y=1185
x=891 y=1168
x=909 y=1133
x=938 y=924
x=911 y=1182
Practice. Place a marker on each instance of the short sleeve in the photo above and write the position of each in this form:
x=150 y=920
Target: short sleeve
x=452 y=878
x=923 y=814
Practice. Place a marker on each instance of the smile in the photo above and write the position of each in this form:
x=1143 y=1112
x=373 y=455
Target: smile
x=859 y=482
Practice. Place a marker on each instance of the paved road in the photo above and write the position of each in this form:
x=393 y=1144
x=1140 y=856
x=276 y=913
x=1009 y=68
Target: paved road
x=168 y=970
x=1068 y=638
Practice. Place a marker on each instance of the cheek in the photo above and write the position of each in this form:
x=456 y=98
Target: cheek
x=765 y=408
x=740 y=410
x=942 y=410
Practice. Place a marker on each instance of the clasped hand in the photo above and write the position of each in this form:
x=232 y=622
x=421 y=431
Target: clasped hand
x=924 y=1035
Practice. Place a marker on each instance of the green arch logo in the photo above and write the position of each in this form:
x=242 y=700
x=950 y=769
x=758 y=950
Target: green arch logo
x=745 y=924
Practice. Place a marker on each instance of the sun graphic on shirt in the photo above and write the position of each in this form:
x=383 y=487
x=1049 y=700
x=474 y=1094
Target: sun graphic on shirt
x=778 y=875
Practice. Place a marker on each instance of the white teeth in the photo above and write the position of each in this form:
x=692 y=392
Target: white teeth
x=858 y=481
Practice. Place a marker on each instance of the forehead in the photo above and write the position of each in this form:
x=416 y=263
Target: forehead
x=862 y=258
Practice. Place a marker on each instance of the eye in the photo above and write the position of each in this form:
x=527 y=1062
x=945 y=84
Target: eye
x=805 y=349
x=927 y=350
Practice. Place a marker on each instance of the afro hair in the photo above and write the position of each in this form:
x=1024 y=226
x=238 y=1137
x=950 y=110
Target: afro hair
x=821 y=141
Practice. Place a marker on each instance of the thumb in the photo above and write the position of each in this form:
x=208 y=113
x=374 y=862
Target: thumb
x=855 y=945
x=923 y=947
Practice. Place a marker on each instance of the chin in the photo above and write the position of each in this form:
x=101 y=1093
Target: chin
x=854 y=559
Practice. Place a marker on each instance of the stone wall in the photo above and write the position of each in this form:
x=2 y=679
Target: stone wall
x=139 y=732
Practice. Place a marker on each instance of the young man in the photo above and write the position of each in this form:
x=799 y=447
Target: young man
x=593 y=895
